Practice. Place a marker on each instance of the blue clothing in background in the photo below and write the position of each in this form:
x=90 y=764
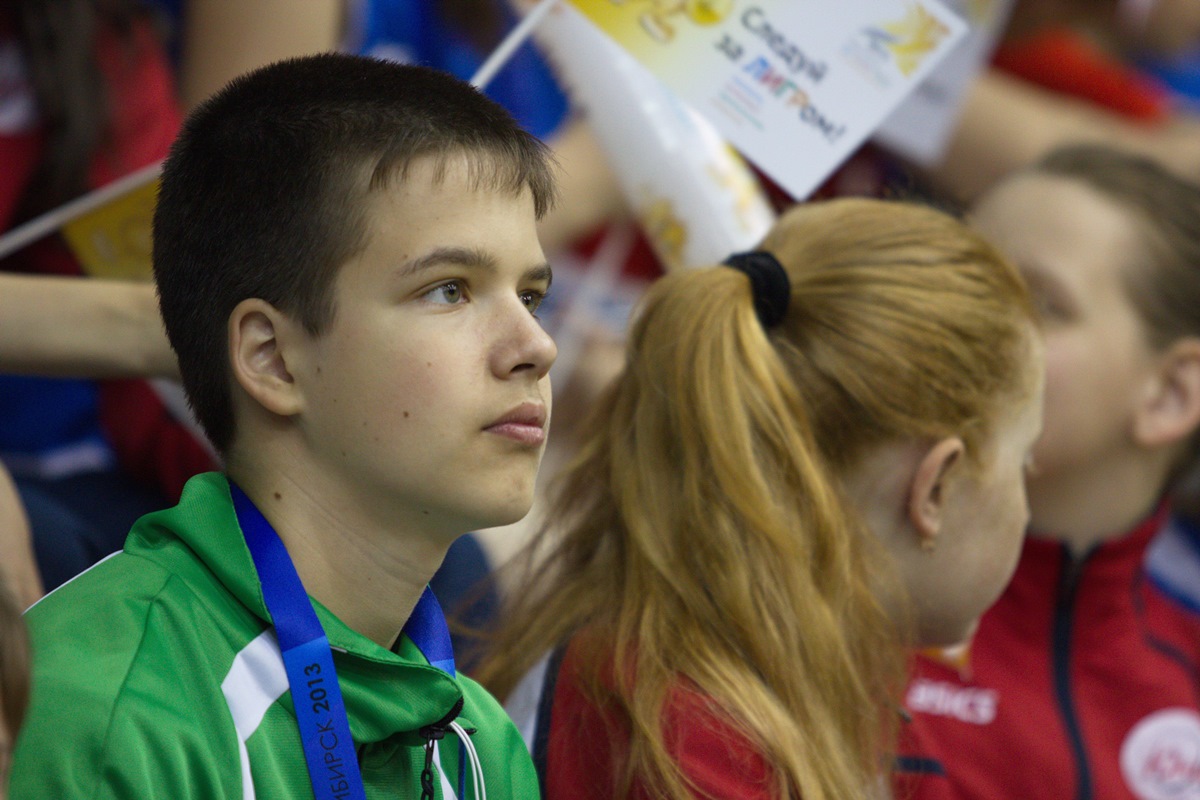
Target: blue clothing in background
x=79 y=504
x=1181 y=74
x=413 y=32
x=42 y=415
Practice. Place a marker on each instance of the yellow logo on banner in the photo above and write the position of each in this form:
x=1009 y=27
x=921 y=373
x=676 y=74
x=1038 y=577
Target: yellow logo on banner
x=114 y=240
x=656 y=20
x=664 y=228
x=912 y=38
x=708 y=12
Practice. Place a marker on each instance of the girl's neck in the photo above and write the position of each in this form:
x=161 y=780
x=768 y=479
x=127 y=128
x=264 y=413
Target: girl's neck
x=1085 y=508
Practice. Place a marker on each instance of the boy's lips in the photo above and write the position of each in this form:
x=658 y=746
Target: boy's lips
x=525 y=424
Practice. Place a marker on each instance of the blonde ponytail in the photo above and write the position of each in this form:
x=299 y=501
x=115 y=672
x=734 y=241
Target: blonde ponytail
x=701 y=534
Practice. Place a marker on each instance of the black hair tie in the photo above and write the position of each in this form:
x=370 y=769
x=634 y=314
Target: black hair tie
x=769 y=284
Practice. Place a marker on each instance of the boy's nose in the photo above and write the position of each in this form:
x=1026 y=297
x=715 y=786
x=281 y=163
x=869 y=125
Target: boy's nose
x=522 y=345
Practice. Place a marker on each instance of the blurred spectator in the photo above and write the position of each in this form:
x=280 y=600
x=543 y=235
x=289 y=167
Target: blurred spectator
x=90 y=98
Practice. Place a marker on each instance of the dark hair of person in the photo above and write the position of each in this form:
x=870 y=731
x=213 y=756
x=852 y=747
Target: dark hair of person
x=58 y=41
x=264 y=193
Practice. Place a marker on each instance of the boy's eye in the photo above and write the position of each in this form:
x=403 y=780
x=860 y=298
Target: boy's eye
x=532 y=299
x=449 y=293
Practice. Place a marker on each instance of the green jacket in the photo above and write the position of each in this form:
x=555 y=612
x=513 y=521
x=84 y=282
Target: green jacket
x=156 y=674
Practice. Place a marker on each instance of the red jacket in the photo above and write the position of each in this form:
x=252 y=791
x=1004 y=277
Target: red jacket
x=580 y=749
x=1081 y=682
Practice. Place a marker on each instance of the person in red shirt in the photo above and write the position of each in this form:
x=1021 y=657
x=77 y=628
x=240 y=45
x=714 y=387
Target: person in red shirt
x=86 y=97
x=788 y=473
x=1081 y=681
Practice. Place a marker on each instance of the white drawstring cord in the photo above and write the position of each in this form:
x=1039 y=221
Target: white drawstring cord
x=473 y=757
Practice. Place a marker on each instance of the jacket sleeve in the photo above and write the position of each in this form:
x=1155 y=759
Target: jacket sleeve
x=86 y=750
x=116 y=711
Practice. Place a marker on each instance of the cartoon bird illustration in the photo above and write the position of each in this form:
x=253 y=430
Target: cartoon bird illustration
x=910 y=39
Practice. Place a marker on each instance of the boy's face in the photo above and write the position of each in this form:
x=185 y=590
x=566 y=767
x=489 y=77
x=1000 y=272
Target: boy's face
x=427 y=400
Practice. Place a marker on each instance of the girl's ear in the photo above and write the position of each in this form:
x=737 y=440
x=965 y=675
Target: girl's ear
x=927 y=493
x=259 y=340
x=1170 y=410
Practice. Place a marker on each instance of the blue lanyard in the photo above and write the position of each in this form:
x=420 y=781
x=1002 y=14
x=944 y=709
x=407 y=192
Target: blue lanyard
x=308 y=661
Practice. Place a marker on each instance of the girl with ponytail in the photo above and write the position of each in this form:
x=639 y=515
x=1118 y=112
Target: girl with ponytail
x=812 y=458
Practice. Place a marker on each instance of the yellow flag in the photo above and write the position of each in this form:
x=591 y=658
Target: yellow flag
x=113 y=241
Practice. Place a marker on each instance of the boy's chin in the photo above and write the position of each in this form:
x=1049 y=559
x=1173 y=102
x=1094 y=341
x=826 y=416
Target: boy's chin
x=501 y=514
x=511 y=516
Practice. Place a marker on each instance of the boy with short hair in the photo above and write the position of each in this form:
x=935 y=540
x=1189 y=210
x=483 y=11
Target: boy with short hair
x=348 y=266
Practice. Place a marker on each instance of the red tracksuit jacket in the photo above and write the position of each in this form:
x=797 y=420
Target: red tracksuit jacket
x=1080 y=683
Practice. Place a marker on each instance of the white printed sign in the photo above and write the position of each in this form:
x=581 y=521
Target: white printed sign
x=795 y=85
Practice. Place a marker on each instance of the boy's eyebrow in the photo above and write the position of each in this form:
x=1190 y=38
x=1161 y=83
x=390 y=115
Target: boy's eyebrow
x=463 y=256
x=471 y=257
x=541 y=272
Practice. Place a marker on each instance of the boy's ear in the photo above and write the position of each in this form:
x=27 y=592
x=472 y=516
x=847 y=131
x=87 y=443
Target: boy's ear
x=1170 y=411
x=927 y=492
x=259 y=335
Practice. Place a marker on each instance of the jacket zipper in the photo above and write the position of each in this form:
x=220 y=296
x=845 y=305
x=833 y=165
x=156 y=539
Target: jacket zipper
x=1068 y=585
x=431 y=734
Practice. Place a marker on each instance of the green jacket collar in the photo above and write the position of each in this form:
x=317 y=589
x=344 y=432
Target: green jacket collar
x=386 y=693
